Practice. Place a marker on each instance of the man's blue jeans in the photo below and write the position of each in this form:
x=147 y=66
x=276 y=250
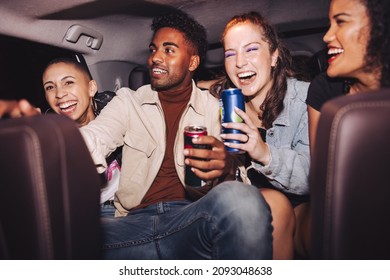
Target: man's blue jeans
x=232 y=221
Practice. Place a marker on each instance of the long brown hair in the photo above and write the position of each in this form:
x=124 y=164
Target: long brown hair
x=273 y=103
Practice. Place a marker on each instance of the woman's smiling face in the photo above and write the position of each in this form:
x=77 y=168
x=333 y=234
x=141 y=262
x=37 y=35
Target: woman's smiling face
x=248 y=60
x=347 y=39
x=69 y=91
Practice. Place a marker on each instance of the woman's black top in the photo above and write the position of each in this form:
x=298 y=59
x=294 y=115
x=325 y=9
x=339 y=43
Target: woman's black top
x=324 y=88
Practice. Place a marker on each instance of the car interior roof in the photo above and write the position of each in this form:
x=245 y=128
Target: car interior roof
x=292 y=18
x=32 y=32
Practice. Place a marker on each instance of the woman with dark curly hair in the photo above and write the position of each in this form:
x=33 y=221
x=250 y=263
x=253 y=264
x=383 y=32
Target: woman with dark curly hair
x=275 y=132
x=358 y=42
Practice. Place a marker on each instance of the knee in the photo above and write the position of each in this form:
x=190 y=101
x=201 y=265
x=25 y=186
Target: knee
x=302 y=237
x=283 y=217
x=241 y=200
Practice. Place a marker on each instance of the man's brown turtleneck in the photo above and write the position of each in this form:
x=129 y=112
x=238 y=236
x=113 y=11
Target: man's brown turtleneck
x=166 y=185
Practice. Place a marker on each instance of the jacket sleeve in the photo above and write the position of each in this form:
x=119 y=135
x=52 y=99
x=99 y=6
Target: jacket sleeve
x=289 y=167
x=104 y=134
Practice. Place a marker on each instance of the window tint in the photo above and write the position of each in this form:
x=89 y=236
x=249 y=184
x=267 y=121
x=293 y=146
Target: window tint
x=21 y=68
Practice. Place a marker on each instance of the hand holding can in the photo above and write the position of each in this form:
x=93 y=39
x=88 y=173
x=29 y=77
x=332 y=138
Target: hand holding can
x=190 y=132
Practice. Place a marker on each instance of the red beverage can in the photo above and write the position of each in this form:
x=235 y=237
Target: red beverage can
x=193 y=131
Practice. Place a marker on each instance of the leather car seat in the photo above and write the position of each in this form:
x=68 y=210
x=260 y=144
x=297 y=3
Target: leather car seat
x=138 y=77
x=50 y=191
x=350 y=178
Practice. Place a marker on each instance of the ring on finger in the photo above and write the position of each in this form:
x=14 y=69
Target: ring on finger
x=247 y=139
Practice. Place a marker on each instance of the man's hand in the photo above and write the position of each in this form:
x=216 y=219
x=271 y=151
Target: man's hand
x=208 y=164
x=15 y=109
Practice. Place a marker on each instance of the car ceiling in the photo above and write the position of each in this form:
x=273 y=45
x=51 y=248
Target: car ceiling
x=125 y=24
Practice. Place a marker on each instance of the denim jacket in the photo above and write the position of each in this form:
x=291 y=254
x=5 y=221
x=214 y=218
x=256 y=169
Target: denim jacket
x=288 y=141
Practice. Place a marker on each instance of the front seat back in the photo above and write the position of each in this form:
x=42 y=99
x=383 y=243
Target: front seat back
x=50 y=191
x=350 y=178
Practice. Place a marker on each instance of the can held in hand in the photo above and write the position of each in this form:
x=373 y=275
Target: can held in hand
x=231 y=98
x=193 y=131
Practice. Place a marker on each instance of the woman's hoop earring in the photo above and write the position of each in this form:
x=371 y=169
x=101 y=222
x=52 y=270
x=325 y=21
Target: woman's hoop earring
x=94 y=106
x=49 y=111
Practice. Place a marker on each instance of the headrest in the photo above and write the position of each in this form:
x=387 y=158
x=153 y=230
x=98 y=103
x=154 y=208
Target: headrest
x=139 y=76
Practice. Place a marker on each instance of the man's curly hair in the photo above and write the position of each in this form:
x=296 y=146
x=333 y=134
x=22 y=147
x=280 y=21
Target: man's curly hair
x=193 y=31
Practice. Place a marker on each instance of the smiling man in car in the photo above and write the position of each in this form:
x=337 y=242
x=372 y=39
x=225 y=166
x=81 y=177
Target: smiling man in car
x=157 y=216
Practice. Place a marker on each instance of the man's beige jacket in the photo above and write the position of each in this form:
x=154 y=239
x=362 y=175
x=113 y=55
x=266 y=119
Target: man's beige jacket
x=136 y=120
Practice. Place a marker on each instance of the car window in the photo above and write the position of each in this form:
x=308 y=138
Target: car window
x=22 y=65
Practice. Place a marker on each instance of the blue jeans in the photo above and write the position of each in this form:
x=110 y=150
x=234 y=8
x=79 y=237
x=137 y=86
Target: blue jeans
x=107 y=210
x=232 y=221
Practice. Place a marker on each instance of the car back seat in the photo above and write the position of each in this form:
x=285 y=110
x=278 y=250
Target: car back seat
x=350 y=178
x=50 y=191
x=138 y=77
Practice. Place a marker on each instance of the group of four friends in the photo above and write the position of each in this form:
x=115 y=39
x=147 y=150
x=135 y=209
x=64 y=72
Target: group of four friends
x=255 y=205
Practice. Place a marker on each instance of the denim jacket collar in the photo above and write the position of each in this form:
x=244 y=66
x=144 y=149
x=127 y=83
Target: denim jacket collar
x=292 y=90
